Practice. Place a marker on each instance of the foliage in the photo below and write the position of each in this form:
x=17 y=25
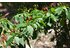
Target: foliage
x=21 y=29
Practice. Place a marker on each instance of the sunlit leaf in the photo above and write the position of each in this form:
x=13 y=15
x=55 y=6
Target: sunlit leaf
x=9 y=41
x=49 y=24
x=30 y=30
x=53 y=10
x=35 y=26
x=48 y=14
x=67 y=13
x=16 y=40
x=58 y=10
x=53 y=17
x=22 y=41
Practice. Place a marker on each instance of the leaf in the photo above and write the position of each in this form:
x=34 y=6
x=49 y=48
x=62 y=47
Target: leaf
x=49 y=24
x=24 y=31
x=26 y=14
x=42 y=22
x=16 y=39
x=37 y=13
x=39 y=19
x=67 y=13
x=10 y=39
x=38 y=24
x=4 y=24
x=48 y=14
x=10 y=25
x=22 y=41
x=20 y=25
x=40 y=14
x=58 y=10
x=30 y=30
x=35 y=26
x=53 y=17
x=21 y=19
x=68 y=16
x=53 y=10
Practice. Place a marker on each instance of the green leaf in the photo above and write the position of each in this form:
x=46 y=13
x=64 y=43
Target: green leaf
x=53 y=17
x=22 y=41
x=24 y=30
x=49 y=24
x=10 y=40
x=21 y=25
x=58 y=10
x=16 y=40
x=3 y=23
x=42 y=23
x=67 y=13
x=10 y=25
x=39 y=19
x=53 y=10
x=21 y=19
x=30 y=30
x=35 y=26
x=38 y=24
x=8 y=37
x=26 y=14
x=48 y=14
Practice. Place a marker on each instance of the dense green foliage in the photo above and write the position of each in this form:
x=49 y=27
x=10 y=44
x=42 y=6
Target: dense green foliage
x=23 y=25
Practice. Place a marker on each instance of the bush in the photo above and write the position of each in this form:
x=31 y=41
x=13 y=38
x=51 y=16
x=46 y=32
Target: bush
x=16 y=32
